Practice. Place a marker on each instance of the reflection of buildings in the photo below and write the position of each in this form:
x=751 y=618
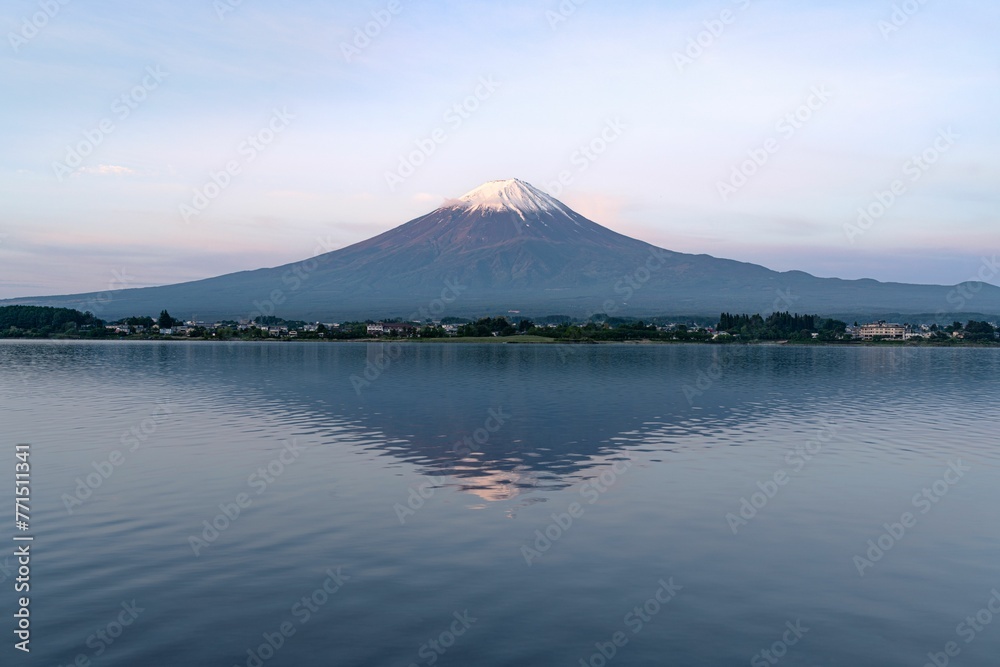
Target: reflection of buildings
x=882 y=330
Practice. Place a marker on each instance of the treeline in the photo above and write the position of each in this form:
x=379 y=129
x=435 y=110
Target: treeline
x=45 y=321
x=614 y=329
x=489 y=326
x=781 y=326
x=972 y=330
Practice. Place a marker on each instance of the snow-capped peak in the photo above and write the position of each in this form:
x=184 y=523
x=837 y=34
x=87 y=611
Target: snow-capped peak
x=511 y=195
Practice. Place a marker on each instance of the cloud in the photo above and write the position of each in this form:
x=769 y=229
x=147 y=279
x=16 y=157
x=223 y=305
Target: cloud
x=106 y=170
x=428 y=199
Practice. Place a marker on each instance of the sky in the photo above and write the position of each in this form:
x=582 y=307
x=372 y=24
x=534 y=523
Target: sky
x=154 y=143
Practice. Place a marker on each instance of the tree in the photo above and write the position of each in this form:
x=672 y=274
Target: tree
x=165 y=320
x=139 y=322
x=41 y=321
x=431 y=332
x=486 y=327
x=979 y=330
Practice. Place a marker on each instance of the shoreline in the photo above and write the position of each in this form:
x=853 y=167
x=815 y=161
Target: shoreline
x=521 y=340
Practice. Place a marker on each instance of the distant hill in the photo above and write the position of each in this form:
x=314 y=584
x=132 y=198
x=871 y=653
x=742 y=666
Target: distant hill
x=508 y=246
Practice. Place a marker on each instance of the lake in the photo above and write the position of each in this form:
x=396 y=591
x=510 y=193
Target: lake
x=524 y=505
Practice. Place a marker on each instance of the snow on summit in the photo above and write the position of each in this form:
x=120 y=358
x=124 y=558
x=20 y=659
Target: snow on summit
x=511 y=195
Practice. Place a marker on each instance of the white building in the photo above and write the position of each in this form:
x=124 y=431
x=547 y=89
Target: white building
x=883 y=330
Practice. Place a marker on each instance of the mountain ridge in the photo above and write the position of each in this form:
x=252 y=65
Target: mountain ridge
x=510 y=246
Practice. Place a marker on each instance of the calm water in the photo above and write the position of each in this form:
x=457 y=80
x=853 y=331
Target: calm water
x=505 y=504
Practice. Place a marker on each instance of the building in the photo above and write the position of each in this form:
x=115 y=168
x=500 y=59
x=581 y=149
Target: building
x=401 y=329
x=882 y=330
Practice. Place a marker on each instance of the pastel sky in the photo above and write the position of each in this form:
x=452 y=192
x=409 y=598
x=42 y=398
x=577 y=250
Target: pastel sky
x=161 y=95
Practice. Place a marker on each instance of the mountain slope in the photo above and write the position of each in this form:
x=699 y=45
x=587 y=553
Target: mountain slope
x=508 y=246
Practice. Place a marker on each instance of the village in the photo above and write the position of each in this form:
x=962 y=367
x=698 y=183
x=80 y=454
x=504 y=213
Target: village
x=551 y=327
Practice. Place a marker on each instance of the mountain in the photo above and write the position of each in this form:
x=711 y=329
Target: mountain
x=508 y=246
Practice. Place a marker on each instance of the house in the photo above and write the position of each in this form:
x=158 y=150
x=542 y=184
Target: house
x=402 y=329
